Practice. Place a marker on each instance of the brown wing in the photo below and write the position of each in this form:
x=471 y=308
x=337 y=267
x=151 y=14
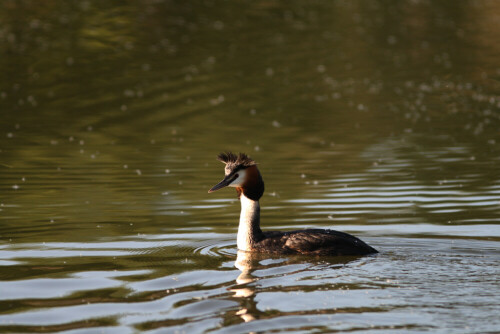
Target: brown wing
x=321 y=242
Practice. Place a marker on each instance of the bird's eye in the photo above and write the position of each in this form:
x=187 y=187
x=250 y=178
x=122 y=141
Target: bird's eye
x=237 y=175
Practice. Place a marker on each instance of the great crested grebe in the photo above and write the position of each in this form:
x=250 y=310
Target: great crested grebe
x=241 y=172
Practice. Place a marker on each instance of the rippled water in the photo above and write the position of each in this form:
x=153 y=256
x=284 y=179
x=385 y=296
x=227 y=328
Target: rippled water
x=379 y=119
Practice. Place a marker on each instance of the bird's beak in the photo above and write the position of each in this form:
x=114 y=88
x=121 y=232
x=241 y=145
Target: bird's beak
x=224 y=183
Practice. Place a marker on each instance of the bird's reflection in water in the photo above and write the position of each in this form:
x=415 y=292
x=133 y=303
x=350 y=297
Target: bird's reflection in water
x=246 y=288
x=246 y=262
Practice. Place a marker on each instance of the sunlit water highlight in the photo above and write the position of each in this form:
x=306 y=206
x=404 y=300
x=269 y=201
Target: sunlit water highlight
x=380 y=119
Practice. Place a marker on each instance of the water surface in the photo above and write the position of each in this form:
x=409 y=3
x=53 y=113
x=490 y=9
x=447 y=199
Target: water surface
x=379 y=119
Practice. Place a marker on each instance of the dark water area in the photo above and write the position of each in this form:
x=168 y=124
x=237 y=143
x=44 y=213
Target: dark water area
x=376 y=118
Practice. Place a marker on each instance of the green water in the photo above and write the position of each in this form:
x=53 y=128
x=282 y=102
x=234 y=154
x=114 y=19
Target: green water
x=377 y=118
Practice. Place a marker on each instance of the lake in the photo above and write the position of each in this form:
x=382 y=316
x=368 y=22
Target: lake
x=379 y=118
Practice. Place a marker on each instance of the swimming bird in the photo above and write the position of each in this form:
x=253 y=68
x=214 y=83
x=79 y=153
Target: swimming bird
x=242 y=173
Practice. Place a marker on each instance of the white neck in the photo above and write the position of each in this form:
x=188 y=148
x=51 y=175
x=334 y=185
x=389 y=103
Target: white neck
x=249 y=231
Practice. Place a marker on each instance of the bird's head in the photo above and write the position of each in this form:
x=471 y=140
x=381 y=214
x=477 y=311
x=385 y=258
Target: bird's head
x=241 y=172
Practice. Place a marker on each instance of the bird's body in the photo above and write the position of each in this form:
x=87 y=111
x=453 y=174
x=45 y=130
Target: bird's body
x=242 y=173
x=312 y=241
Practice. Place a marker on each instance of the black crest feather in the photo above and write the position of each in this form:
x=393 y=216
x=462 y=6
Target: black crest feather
x=241 y=159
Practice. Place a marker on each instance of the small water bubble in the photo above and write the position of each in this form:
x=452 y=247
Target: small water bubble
x=167 y=171
x=15 y=187
x=70 y=61
x=71 y=138
x=218 y=100
x=269 y=72
x=256 y=148
x=89 y=128
x=321 y=68
x=210 y=60
x=146 y=67
x=138 y=172
x=53 y=142
x=218 y=25
x=123 y=107
x=31 y=99
x=180 y=183
x=129 y=93
x=165 y=193
x=253 y=112
x=303 y=176
x=81 y=142
x=10 y=135
x=125 y=166
x=276 y=124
